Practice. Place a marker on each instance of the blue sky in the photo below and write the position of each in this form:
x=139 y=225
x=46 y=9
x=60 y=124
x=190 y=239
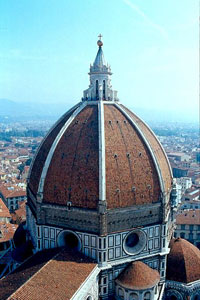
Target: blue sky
x=152 y=46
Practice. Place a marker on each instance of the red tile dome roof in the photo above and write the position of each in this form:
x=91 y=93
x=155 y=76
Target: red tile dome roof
x=138 y=276
x=183 y=263
x=100 y=150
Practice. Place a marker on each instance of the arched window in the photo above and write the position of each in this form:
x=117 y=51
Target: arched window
x=147 y=296
x=173 y=297
x=133 y=296
x=104 y=89
x=89 y=298
x=97 y=89
x=121 y=293
x=69 y=239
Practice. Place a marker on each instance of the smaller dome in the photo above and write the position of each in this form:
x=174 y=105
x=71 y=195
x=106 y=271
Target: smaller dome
x=138 y=276
x=183 y=262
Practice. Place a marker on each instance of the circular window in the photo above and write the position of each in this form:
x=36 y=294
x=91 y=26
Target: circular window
x=69 y=239
x=134 y=242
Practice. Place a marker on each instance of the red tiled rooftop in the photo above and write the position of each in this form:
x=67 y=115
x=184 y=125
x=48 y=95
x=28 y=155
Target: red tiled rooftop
x=4 y=211
x=9 y=191
x=128 y=164
x=12 y=193
x=183 y=262
x=138 y=276
x=20 y=214
x=44 y=148
x=57 y=278
x=7 y=231
x=156 y=148
x=188 y=217
x=17 y=193
x=73 y=173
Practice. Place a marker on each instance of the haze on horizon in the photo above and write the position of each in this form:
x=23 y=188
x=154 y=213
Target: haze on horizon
x=152 y=47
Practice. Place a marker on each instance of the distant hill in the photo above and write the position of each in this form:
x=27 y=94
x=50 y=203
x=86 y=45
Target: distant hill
x=8 y=107
x=19 y=111
x=23 y=111
x=152 y=116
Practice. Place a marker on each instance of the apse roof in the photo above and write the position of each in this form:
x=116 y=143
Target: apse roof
x=138 y=276
x=183 y=262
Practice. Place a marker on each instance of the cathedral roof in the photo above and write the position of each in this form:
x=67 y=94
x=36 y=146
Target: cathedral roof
x=183 y=262
x=138 y=276
x=100 y=151
x=47 y=275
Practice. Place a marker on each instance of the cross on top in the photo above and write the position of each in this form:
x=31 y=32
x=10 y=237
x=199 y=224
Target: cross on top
x=100 y=36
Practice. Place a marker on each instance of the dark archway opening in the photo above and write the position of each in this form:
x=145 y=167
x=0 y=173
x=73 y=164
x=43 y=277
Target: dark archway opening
x=69 y=240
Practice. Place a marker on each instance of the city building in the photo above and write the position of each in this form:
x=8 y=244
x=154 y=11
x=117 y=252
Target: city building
x=7 y=232
x=179 y=171
x=19 y=215
x=191 y=204
x=188 y=225
x=12 y=197
x=192 y=194
x=5 y=216
x=185 y=182
x=178 y=156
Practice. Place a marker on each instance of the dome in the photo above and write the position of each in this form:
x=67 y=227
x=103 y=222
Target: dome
x=92 y=151
x=138 y=276
x=99 y=158
x=183 y=262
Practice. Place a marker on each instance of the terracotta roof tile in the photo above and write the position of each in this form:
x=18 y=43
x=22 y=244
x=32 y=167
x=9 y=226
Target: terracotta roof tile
x=38 y=164
x=4 y=211
x=13 y=281
x=131 y=177
x=188 y=217
x=12 y=193
x=16 y=193
x=73 y=174
x=183 y=262
x=20 y=214
x=138 y=276
x=7 y=231
x=157 y=149
x=58 y=278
